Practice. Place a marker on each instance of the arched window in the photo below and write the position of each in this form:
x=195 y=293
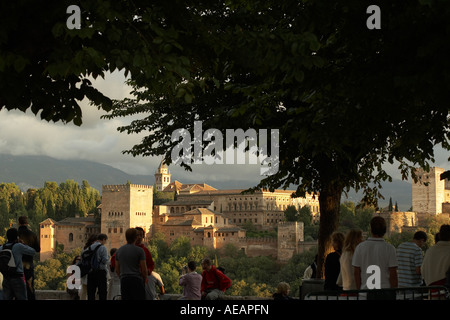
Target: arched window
x=70 y=237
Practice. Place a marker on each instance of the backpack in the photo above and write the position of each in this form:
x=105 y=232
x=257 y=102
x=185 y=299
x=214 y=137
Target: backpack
x=89 y=261
x=7 y=263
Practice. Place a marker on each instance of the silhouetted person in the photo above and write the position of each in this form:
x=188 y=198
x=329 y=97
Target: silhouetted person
x=13 y=282
x=131 y=268
x=30 y=239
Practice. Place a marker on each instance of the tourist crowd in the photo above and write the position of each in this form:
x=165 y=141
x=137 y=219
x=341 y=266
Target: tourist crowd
x=127 y=273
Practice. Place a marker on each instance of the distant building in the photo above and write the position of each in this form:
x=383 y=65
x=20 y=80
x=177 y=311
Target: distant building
x=207 y=216
x=430 y=194
x=47 y=238
x=398 y=221
x=125 y=206
x=201 y=226
x=430 y=197
x=263 y=209
x=70 y=232
x=162 y=177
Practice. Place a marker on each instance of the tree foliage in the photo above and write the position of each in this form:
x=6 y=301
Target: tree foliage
x=355 y=217
x=251 y=276
x=348 y=98
x=47 y=67
x=51 y=201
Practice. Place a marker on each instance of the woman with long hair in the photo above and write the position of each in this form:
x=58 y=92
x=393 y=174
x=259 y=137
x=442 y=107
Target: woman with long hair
x=346 y=278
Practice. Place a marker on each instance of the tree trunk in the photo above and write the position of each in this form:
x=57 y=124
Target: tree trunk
x=329 y=202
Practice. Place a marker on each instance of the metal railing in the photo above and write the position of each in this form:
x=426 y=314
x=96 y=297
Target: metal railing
x=410 y=293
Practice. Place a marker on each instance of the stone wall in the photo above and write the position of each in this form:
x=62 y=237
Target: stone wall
x=254 y=247
x=63 y=295
x=396 y=221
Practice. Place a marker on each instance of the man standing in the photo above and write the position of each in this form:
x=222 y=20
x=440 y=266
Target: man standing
x=13 y=282
x=375 y=258
x=131 y=268
x=148 y=261
x=29 y=238
x=436 y=262
x=97 y=277
x=191 y=281
x=214 y=282
x=410 y=256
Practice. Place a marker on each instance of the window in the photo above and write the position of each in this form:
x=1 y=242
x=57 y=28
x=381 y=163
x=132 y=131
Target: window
x=70 y=237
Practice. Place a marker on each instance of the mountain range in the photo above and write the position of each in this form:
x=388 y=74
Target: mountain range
x=33 y=171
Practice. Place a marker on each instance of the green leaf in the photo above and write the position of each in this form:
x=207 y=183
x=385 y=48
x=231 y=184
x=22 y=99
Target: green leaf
x=20 y=63
x=299 y=75
x=188 y=98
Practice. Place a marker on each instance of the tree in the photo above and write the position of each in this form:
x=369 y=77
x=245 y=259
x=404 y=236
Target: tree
x=291 y=214
x=345 y=96
x=390 y=208
x=305 y=215
x=45 y=66
x=347 y=215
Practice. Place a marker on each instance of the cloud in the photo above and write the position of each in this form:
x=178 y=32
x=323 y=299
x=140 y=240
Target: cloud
x=98 y=140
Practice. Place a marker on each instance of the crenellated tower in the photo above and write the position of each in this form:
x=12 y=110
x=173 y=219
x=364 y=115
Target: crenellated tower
x=125 y=206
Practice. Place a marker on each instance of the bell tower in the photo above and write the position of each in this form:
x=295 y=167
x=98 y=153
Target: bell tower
x=162 y=177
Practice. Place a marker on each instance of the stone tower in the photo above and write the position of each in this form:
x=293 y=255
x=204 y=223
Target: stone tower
x=125 y=206
x=428 y=194
x=289 y=236
x=162 y=177
x=47 y=239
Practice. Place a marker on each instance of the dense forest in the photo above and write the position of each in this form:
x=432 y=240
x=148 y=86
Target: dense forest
x=51 y=201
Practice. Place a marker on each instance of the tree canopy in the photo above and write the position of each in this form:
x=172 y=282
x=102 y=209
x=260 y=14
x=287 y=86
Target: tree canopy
x=54 y=201
x=47 y=67
x=349 y=99
x=345 y=98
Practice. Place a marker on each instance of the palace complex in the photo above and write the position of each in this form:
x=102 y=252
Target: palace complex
x=213 y=218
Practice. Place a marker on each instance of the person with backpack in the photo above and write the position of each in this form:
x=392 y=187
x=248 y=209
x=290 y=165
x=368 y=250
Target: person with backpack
x=83 y=291
x=96 y=256
x=11 y=266
x=30 y=239
x=214 y=281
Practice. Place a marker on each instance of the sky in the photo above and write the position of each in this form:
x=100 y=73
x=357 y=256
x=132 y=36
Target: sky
x=98 y=140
